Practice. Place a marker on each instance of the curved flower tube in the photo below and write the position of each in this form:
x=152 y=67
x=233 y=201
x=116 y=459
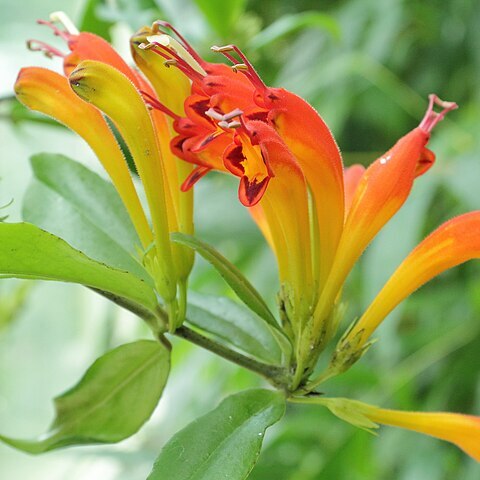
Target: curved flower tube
x=49 y=93
x=461 y=430
x=179 y=207
x=189 y=117
x=382 y=190
x=352 y=177
x=453 y=243
x=110 y=91
x=256 y=143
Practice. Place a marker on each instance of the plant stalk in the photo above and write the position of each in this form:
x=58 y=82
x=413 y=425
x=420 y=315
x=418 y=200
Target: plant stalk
x=276 y=375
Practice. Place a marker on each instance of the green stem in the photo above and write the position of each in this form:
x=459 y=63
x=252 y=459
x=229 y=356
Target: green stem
x=278 y=376
x=312 y=384
x=157 y=322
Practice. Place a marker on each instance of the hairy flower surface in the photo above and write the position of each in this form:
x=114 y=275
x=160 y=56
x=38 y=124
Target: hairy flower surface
x=186 y=117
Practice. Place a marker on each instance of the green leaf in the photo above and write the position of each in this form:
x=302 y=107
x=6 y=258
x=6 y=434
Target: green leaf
x=222 y=15
x=116 y=396
x=26 y=251
x=292 y=23
x=231 y=274
x=234 y=324
x=224 y=443
x=72 y=202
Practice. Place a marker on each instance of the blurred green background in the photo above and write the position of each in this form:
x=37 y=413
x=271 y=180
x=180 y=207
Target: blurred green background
x=367 y=66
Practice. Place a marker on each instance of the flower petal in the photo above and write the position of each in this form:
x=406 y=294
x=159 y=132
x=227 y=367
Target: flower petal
x=311 y=142
x=88 y=46
x=284 y=207
x=351 y=178
x=461 y=430
x=49 y=93
x=453 y=243
x=171 y=85
x=383 y=189
x=115 y=95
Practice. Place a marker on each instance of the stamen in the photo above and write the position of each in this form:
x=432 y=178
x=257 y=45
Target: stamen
x=431 y=117
x=183 y=40
x=225 y=52
x=239 y=67
x=56 y=31
x=222 y=49
x=214 y=114
x=146 y=46
x=45 y=48
x=168 y=53
x=64 y=19
x=154 y=103
x=169 y=63
x=233 y=114
x=224 y=121
x=245 y=66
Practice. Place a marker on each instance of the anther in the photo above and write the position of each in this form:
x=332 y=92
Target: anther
x=214 y=114
x=224 y=120
x=169 y=63
x=234 y=113
x=167 y=53
x=225 y=48
x=64 y=20
x=244 y=65
x=146 y=46
x=161 y=23
x=240 y=67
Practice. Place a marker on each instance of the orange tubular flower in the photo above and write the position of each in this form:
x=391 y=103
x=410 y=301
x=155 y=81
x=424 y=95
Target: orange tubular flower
x=381 y=191
x=461 y=430
x=49 y=93
x=352 y=177
x=453 y=243
x=110 y=91
x=256 y=145
x=189 y=117
x=171 y=210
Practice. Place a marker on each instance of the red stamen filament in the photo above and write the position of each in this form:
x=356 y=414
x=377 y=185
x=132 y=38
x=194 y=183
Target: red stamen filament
x=181 y=64
x=45 y=48
x=244 y=66
x=59 y=33
x=154 y=103
x=188 y=47
x=431 y=117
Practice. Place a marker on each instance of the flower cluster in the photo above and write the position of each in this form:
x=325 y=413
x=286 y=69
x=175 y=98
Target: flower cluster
x=185 y=117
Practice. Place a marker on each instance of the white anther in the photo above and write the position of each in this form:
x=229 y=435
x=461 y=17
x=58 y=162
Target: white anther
x=64 y=19
x=225 y=48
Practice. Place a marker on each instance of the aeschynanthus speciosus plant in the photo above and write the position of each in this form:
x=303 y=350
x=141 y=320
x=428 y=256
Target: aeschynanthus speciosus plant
x=181 y=117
